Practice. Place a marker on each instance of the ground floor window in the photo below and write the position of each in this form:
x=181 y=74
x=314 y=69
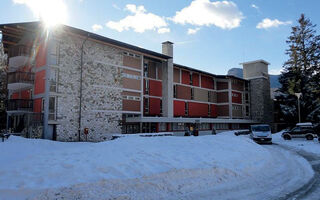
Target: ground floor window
x=162 y=126
x=177 y=126
x=221 y=126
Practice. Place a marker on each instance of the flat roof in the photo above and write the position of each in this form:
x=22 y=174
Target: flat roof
x=12 y=33
x=255 y=61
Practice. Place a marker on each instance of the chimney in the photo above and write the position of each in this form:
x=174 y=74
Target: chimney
x=167 y=48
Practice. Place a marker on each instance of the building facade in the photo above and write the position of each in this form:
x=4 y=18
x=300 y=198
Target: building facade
x=64 y=81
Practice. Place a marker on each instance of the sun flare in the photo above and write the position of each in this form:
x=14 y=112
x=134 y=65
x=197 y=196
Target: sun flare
x=51 y=12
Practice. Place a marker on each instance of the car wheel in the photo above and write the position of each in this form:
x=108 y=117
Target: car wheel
x=286 y=137
x=309 y=137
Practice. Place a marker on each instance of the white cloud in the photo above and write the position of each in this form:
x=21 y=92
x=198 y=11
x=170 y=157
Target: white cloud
x=96 y=27
x=192 y=31
x=223 y=14
x=254 y=6
x=163 y=30
x=268 y=23
x=140 y=21
x=275 y=71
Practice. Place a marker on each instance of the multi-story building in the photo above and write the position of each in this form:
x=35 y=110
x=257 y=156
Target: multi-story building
x=64 y=80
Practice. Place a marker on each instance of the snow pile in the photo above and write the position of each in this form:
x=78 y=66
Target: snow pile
x=147 y=168
x=28 y=163
x=312 y=146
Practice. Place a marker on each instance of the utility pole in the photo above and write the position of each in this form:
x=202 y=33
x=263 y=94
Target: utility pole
x=298 y=96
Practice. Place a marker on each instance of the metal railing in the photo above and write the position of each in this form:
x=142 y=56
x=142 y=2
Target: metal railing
x=20 y=105
x=19 y=50
x=20 y=77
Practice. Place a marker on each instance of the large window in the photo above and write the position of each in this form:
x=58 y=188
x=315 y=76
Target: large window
x=52 y=108
x=147 y=87
x=175 y=91
x=54 y=52
x=54 y=80
x=192 y=94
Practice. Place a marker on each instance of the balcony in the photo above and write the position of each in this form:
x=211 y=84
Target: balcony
x=19 y=56
x=20 y=80
x=20 y=105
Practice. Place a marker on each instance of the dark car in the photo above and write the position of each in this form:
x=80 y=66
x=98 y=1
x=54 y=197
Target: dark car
x=246 y=132
x=307 y=132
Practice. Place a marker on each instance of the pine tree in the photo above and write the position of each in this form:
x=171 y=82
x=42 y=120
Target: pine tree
x=301 y=73
x=3 y=86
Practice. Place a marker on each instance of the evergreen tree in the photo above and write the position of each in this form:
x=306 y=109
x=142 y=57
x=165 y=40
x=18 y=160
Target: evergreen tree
x=3 y=86
x=301 y=74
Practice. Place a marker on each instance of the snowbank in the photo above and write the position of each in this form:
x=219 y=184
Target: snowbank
x=29 y=163
x=299 y=143
x=146 y=168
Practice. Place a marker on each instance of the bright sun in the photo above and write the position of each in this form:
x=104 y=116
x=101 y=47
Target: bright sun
x=51 y=12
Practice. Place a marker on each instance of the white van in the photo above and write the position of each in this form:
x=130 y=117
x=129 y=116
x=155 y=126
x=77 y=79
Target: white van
x=261 y=133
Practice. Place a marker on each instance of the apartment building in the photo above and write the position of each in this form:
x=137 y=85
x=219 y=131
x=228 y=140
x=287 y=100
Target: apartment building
x=65 y=82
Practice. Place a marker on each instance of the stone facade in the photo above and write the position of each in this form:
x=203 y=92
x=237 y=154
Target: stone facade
x=260 y=104
x=101 y=93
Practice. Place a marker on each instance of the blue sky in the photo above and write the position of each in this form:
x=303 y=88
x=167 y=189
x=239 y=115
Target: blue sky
x=209 y=35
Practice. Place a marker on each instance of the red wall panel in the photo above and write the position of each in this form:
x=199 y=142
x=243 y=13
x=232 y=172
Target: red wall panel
x=25 y=94
x=179 y=108
x=195 y=79
x=236 y=97
x=207 y=82
x=15 y=95
x=39 y=83
x=214 y=111
x=41 y=57
x=155 y=88
x=185 y=77
x=198 y=109
x=154 y=106
x=37 y=104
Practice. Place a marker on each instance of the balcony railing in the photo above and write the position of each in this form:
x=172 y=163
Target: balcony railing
x=20 y=77
x=20 y=50
x=20 y=105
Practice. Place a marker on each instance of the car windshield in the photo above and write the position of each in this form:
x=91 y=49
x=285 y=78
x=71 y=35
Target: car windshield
x=260 y=128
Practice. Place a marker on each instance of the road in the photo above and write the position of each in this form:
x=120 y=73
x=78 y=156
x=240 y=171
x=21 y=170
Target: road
x=311 y=190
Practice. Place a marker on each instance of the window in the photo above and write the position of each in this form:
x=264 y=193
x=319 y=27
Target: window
x=147 y=87
x=190 y=78
x=54 y=80
x=162 y=126
x=186 y=109
x=146 y=106
x=177 y=126
x=145 y=69
x=246 y=98
x=247 y=111
x=131 y=76
x=52 y=108
x=209 y=110
x=192 y=94
x=222 y=126
x=205 y=126
x=175 y=91
x=54 y=53
x=209 y=96
x=161 y=107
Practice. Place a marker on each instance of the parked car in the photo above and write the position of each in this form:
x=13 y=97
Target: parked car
x=261 y=133
x=245 y=132
x=301 y=130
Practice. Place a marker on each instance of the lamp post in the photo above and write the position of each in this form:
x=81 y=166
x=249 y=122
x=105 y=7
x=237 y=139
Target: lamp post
x=298 y=95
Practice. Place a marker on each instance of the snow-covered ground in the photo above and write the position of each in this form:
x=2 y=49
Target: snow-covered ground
x=298 y=143
x=207 y=167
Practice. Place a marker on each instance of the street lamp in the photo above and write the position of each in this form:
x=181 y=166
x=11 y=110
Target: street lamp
x=298 y=95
